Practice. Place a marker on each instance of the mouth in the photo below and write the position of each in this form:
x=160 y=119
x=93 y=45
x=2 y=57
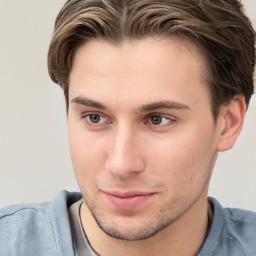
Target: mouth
x=129 y=200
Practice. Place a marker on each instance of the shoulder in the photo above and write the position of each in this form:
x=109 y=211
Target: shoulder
x=239 y=224
x=23 y=210
x=240 y=216
x=23 y=227
x=233 y=231
x=241 y=227
x=35 y=228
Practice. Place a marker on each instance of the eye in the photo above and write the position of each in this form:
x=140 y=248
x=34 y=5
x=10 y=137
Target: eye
x=95 y=119
x=159 y=120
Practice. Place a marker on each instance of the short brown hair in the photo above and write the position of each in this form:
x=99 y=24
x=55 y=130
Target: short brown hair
x=218 y=27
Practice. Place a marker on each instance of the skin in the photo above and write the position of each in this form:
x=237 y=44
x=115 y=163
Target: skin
x=140 y=119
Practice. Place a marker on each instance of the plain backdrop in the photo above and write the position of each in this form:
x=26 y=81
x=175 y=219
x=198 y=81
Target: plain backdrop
x=34 y=155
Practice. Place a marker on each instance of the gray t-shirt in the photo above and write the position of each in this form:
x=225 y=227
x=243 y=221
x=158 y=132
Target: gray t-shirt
x=81 y=244
x=44 y=229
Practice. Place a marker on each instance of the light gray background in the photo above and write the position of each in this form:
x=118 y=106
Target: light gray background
x=34 y=154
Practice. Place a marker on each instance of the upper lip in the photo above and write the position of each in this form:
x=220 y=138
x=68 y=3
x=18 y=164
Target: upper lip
x=128 y=193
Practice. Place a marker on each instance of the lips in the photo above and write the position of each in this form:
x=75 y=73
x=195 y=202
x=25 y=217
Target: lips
x=128 y=200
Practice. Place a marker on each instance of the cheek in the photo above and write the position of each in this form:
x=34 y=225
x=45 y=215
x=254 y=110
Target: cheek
x=87 y=154
x=183 y=161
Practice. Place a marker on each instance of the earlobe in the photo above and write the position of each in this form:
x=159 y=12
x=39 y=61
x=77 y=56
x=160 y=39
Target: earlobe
x=230 y=122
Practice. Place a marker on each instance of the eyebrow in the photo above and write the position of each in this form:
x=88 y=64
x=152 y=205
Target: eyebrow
x=145 y=108
x=88 y=102
x=163 y=104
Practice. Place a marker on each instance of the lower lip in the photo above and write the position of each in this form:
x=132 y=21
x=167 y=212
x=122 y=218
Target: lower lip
x=128 y=203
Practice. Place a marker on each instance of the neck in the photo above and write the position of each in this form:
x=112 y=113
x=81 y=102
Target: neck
x=190 y=229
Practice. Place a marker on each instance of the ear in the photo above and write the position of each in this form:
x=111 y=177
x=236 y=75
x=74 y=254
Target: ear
x=230 y=122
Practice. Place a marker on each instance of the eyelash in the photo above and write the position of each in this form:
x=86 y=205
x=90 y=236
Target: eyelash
x=167 y=118
x=87 y=115
x=170 y=120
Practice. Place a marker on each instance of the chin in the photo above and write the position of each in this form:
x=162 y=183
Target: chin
x=130 y=228
x=136 y=234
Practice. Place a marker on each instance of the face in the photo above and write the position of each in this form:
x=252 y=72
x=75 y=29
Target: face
x=141 y=132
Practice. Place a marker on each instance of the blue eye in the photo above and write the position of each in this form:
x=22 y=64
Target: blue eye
x=159 y=120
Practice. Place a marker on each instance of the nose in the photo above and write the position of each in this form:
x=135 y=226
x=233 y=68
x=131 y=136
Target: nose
x=125 y=157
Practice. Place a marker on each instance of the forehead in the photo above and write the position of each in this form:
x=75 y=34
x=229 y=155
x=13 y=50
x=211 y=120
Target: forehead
x=144 y=54
x=146 y=67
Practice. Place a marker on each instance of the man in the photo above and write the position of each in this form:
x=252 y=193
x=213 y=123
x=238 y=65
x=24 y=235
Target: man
x=154 y=90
